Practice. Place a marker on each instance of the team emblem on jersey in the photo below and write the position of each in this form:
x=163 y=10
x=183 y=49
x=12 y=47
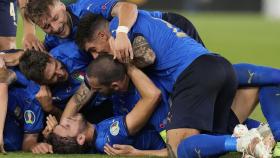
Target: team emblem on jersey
x=29 y=117
x=78 y=75
x=114 y=128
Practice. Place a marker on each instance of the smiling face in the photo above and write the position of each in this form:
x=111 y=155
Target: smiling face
x=55 y=72
x=56 y=21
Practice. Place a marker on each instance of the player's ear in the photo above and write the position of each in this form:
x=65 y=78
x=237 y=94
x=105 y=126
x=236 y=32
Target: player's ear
x=81 y=138
x=115 y=86
x=101 y=34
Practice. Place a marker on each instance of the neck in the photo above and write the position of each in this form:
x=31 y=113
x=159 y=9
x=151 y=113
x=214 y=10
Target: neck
x=125 y=84
x=90 y=132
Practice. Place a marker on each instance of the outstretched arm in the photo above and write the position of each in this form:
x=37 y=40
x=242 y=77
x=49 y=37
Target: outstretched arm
x=128 y=150
x=150 y=96
x=6 y=77
x=77 y=101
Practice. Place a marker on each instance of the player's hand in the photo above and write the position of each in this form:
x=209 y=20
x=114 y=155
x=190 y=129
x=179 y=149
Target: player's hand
x=44 y=96
x=6 y=76
x=51 y=124
x=122 y=48
x=2 y=150
x=42 y=148
x=30 y=41
x=120 y=150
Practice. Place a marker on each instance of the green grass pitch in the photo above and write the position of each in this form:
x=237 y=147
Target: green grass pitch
x=242 y=37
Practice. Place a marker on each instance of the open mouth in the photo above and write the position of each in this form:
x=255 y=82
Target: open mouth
x=61 y=31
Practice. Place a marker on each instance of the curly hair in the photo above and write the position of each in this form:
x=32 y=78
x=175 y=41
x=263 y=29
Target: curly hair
x=66 y=145
x=33 y=63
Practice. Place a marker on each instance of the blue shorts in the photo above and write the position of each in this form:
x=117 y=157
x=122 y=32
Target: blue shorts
x=8 y=18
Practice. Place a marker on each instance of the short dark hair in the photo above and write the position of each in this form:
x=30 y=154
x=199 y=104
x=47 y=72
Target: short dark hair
x=87 y=26
x=35 y=9
x=106 y=70
x=33 y=64
x=67 y=145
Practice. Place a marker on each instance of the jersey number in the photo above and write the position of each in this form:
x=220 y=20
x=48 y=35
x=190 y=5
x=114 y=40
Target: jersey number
x=175 y=30
x=12 y=11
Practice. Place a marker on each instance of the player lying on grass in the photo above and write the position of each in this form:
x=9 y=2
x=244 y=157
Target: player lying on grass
x=119 y=128
x=22 y=117
x=120 y=86
x=172 y=49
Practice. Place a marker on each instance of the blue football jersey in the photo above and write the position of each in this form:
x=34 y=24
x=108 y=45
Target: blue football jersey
x=76 y=11
x=123 y=103
x=23 y=117
x=114 y=131
x=75 y=62
x=174 y=50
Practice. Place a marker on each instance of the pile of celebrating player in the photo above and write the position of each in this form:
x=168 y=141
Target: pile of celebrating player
x=112 y=79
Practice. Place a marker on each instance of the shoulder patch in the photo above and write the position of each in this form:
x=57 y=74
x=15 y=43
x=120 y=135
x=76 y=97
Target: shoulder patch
x=29 y=117
x=114 y=128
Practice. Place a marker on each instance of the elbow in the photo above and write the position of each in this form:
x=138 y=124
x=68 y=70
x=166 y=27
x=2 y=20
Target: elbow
x=155 y=96
x=130 y=7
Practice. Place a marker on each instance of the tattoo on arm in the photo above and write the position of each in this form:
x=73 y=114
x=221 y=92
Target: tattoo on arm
x=81 y=96
x=143 y=54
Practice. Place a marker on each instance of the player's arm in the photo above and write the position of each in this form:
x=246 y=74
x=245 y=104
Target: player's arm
x=143 y=53
x=128 y=150
x=29 y=141
x=12 y=59
x=6 y=77
x=29 y=33
x=127 y=14
x=44 y=97
x=3 y=104
x=78 y=100
x=150 y=96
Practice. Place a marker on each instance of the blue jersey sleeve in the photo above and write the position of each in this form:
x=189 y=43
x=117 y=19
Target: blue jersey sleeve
x=112 y=131
x=103 y=7
x=33 y=118
x=20 y=78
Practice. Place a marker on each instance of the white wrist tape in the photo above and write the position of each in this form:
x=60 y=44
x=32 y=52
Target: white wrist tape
x=122 y=29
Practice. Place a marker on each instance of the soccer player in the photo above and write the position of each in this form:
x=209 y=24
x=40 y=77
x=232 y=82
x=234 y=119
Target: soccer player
x=111 y=78
x=106 y=8
x=59 y=21
x=8 y=28
x=172 y=49
x=23 y=119
x=121 y=128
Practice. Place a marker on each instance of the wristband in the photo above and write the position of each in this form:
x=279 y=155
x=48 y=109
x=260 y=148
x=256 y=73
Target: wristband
x=122 y=29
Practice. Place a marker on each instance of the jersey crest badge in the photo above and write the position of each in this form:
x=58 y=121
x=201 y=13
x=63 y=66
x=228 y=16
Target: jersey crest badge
x=114 y=128
x=29 y=117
